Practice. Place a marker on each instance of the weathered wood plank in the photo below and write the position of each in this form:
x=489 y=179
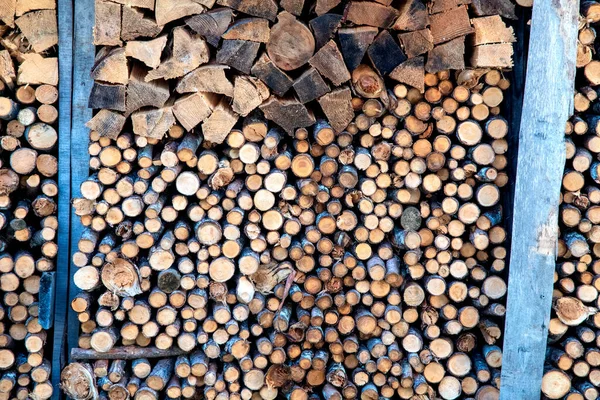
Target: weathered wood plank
x=83 y=61
x=65 y=55
x=541 y=156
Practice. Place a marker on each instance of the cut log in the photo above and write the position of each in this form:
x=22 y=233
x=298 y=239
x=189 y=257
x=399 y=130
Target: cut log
x=107 y=123
x=492 y=56
x=489 y=30
x=211 y=25
x=324 y=6
x=330 y=63
x=450 y=55
x=194 y=108
x=291 y=43
x=385 y=54
x=239 y=54
x=170 y=10
x=413 y=16
x=153 y=123
x=257 y=8
x=288 y=113
x=111 y=66
x=40 y=28
x=354 y=43
x=450 y=25
x=107 y=26
x=248 y=94
x=371 y=14
x=188 y=53
x=206 y=78
x=142 y=94
x=367 y=83
x=252 y=29
x=107 y=96
x=417 y=42
x=324 y=28
x=135 y=25
x=149 y=52
x=337 y=106
x=269 y=73
x=219 y=124
x=411 y=72
x=310 y=85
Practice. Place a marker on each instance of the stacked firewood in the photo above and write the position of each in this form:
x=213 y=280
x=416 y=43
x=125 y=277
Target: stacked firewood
x=292 y=198
x=28 y=195
x=573 y=354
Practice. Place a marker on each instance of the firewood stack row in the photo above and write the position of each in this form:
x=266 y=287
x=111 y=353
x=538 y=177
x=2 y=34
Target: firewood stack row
x=573 y=355
x=28 y=195
x=292 y=199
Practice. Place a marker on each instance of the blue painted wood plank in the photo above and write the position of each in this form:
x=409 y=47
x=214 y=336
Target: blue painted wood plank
x=547 y=104
x=65 y=57
x=83 y=61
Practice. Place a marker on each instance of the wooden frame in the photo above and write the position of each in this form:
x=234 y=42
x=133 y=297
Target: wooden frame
x=547 y=104
x=65 y=54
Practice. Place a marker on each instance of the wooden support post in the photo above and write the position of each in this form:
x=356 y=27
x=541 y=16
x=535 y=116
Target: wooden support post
x=539 y=168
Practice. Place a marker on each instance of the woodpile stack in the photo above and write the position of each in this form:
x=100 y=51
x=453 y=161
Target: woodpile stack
x=573 y=355
x=294 y=199
x=28 y=195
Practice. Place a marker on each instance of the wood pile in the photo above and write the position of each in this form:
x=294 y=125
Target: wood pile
x=293 y=199
x=28 y=195
x=572 y=368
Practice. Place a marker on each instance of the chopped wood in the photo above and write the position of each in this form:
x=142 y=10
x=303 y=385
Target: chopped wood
x=194 y=108
x=219 y=124
x=489 y=30
x=153 y=123
x=330 y=63
x=371 y=13
x=257 y=8
x=354 y=43
x=111 y=66
x=135 y=25
x=291 y=43
x=288 y=113
x=107 y=26
x=277 y=80
x=252 y=29
x=7 y=12
x=324 y=6
x=337 y=106
x=107 y=123
x=504 y=8
x=206 y=78
x=324 y=28
x=492 y=55
x=413 y=16
x=37 y=70
x=411 y=72
x=310 y=85
x=141 y=93
x=188 y=53
x=149 y=51
x=239 y=54
x=107 y=96
x=450 y=25
x=385 y=54
x=248 y=94
x=170 y=10
x=211 y=25
x=449 y=55
x=292 y=6
x=417 y=42
x=7 y=69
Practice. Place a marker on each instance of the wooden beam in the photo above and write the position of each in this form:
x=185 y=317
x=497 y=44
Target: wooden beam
x=537 y=193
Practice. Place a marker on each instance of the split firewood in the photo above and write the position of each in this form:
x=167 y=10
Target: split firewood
x=28 y=193
x=268 y=214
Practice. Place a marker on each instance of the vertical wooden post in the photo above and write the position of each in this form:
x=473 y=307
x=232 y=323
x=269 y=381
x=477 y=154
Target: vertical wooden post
x=65 y=55
x=82 y=65
x=547 y=105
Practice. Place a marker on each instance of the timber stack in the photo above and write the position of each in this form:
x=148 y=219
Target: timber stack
x=292 y=198
x=28 y=195
x=572 y=368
